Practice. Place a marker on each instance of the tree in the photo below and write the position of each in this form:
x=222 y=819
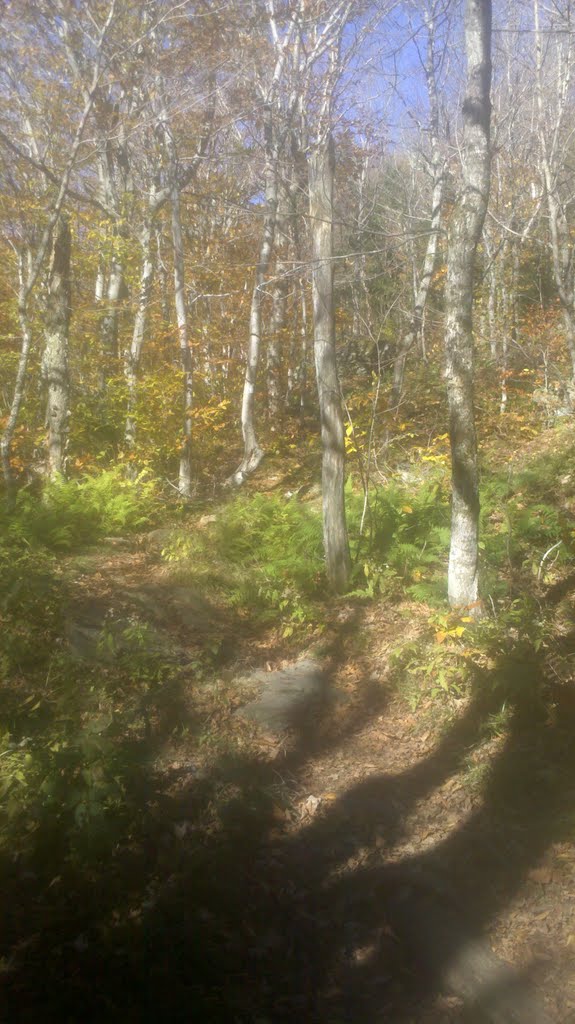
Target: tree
x=336 y=544
x=553 y=104
x=321 y=212
x=431 y=62
x=55 y=358
x=274 y=122
x=464 y=235
x=32 y=264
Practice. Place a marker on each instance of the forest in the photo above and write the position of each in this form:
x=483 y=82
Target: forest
x=287 y=497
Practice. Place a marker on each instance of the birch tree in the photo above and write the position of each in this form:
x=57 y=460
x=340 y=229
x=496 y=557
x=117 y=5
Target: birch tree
x=274 y=134
x=431 y=61
x=553 y=78
x=31 y=268
x=55 y=358
x=464 y=234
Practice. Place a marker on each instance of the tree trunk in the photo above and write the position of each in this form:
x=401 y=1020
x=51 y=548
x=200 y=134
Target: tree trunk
x=20 y=384
x=549 y=133
x=185 y=475
x=336 y=545
x=284 y=260
x=253 y=454
x=464 y=235
x=277 y=328
x=55 y=359
x=134 y=352
x=109 y=322
x=100 y=282
x=421 y=288
x=163 y=279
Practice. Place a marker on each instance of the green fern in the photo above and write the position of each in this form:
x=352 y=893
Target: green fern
x=72 y=513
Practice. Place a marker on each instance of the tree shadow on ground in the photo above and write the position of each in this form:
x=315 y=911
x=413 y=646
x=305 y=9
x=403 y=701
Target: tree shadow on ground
x=236 y=919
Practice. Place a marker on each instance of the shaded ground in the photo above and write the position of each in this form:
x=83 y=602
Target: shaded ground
x=362 y=866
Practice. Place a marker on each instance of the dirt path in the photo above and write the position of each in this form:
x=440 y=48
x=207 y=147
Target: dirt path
x=366 y=866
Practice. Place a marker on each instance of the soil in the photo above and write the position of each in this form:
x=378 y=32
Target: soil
x=368 y=863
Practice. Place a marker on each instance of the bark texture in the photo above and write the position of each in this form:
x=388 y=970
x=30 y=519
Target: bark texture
x=464 y=235
x=336 y=545
x=55 y=358
x=253 y=453
x=134 y=352
x=109 y=322
x=553 y=173
x=185 y=486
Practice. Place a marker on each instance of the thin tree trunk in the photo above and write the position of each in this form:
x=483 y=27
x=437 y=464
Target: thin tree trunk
x=109 y=322
x=100 y=282
x=549 y=134
x=55 y=359
x=492 y=311
x=284 y=233
x=277 y=328
x=19 y=386
x=336 y=545
x=464 y=235
x=360 y=291
x=421 y=287
x=185 y=474
x=253 y=453
x=163 y=279
x=302 y=368
x=134 y=352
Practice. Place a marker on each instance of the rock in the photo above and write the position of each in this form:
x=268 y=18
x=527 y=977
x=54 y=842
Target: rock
x=204 y=521
x=193 y=610
x=286 y=696
x=95 y=632
x=83 y=631
x=157 y=540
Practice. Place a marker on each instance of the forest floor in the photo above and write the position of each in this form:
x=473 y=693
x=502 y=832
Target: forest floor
x=382 y=860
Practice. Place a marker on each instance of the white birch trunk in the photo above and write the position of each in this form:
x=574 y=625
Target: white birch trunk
x=134 y=352
x=20 y=383
x=550 y=129
x=55 y=359
x=109 y=322
x=185 y=483
x=464 y=235
x=253 y=453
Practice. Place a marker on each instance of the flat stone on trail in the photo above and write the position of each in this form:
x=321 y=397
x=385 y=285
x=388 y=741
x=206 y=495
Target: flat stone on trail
x=286 y=695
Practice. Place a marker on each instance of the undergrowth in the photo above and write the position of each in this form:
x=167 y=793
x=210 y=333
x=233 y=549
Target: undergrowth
x=527 y=544
x=405 y=543
x=73 y=513
x=262 y=554
x=65 y=728
x=70 y=733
